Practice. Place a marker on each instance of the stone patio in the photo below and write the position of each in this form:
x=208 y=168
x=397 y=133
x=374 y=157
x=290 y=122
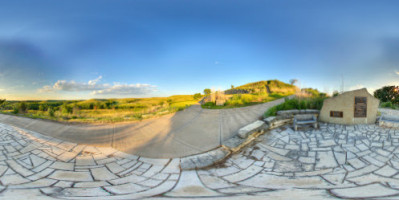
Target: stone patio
x=335 y=161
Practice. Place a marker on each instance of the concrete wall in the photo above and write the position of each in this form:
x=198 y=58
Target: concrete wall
x=345 y=103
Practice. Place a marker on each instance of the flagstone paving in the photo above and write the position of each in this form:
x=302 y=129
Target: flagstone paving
x=335 y=161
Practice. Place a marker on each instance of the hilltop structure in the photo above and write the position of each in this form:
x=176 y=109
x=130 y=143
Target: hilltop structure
x=352 y=107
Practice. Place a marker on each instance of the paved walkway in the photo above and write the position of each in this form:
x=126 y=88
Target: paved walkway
x=335 y=161
x=184 y=133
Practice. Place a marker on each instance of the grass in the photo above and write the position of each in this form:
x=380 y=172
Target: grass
x=297 y=103
x=100 y=110
x=389 y=105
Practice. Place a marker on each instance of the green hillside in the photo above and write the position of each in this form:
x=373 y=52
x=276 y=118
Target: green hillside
x=251 y=94
x=269 y=86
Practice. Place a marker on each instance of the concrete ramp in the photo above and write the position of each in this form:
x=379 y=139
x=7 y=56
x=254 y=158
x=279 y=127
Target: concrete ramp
x=191 y=131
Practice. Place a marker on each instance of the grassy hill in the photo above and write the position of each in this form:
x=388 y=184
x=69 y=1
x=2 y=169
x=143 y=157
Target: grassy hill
x=254 y=93
x=270 y=86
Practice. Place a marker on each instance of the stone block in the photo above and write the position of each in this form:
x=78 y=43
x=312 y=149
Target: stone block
x=251 y=128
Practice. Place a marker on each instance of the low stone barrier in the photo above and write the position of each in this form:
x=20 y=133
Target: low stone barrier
x=251 y=128
x=204 y=159
x=246 y=135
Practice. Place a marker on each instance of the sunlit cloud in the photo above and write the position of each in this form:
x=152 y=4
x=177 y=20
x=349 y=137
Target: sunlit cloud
x=127 y=89
x=98 y=89
x=397 y=72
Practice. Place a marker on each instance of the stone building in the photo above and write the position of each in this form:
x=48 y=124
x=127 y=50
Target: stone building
x=352 y=107
x=218 y=97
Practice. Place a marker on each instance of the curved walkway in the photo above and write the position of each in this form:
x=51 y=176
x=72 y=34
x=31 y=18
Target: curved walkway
x=348 y=162
x=184 y=133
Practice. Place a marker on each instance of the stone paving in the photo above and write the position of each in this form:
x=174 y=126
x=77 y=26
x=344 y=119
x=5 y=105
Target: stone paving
x=335 y=161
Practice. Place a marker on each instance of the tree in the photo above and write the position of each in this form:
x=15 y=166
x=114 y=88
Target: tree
x=207 y=91
x=23 y=107
x=335 y=93
x=2 y=101
x=232 y=86
x=50 y=111
x=293 y=81
x=388 y=94
x=197 y=95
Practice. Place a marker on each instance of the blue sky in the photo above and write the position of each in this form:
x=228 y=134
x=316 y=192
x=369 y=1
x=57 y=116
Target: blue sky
x=141 y=48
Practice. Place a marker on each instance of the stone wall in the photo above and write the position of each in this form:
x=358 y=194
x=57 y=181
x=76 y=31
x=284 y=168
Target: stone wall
x=345 y=103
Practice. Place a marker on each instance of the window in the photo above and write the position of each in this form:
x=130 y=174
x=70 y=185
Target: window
x=338 y=114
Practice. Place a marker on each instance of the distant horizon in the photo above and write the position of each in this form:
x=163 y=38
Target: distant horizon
x=140 y=49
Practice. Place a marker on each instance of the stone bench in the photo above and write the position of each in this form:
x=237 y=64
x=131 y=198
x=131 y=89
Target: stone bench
x=389 y=121
x=303 y=119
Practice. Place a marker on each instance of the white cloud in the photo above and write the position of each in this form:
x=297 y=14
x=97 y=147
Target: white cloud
x=93 y=82
x=126 y=89
x=46 y=89
x=397 y=72
x=97 y=89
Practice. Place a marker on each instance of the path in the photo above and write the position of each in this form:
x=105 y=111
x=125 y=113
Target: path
x=347 y=162
x=184 y=133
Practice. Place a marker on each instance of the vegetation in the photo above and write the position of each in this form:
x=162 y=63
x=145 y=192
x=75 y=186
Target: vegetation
x=335 y=93
x=197 y=96
x=270 y=86
x=207 y=91
x=293 y=81
x=2 y=101
x=313 y=92
x=242 y=100
x=100 y=110
x=389 y=105
x=388 y=94
x=253 y=93
x=314 y=101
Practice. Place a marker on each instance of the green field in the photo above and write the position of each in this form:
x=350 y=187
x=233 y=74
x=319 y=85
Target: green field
x=99 y=110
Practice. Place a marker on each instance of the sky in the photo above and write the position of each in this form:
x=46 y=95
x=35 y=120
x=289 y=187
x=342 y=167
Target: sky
x=80 y=49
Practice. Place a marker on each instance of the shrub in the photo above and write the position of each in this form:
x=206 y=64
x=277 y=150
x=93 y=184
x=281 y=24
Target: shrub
x=22 y=107
x=65 y=109
x=138 y=116
x=209 y=104
x=15 y=110
x=41 y=108
x=50 y=111
x=2 y=101
x=335 y=93
x=296 y=103
x=387 y=105
x=197 y=95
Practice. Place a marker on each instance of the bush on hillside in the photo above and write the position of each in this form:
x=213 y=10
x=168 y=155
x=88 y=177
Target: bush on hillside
x=387 y=105
x=296 y=103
